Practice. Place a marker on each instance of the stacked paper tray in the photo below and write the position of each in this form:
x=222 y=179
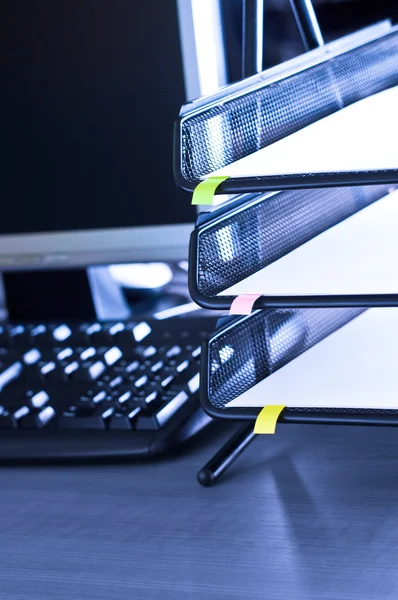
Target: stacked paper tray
x=321 y=247
x=310 y=145
x=326 y=118
x=334 y=365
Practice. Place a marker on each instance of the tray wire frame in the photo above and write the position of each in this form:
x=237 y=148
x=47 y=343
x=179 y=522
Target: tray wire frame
x=217 y=136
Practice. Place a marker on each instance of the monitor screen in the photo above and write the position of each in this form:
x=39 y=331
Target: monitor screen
x=88 y=94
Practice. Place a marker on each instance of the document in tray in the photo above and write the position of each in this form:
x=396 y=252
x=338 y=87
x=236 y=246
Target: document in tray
x=360 y=137
x=357 y=256
x=355 y=367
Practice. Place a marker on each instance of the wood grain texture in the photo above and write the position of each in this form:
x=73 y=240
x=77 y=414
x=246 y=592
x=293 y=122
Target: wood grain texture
x=310 y=513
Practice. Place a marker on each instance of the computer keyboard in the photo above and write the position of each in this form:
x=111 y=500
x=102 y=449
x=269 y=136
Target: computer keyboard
x=99 y=390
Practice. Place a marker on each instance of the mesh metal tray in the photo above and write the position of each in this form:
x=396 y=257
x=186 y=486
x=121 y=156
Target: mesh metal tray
x=250 y=233
x=245 y=118
x=246 y=350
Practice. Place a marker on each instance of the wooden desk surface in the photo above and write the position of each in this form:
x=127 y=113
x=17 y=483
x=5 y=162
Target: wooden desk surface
x=310 y=513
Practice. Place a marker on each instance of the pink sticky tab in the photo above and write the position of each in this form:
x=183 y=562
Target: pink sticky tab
x=243 y=305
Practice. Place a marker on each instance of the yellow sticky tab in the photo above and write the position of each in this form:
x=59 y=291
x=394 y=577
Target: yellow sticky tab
x=205 y=190
x=266 y=420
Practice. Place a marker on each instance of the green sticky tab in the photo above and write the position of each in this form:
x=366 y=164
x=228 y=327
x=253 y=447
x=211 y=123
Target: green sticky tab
x=204 y=191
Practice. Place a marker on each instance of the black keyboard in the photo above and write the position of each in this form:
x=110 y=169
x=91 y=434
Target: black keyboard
x=73 y=391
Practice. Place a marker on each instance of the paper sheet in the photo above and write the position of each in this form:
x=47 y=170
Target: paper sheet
x=360 y=137
x=355 y=367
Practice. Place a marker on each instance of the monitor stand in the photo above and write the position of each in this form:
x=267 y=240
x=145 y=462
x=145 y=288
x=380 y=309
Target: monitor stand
x=64 y=294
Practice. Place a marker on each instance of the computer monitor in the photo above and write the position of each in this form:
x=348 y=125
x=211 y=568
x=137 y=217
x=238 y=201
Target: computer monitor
x=89 y=92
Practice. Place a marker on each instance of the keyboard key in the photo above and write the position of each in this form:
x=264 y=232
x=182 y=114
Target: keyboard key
x=112 y=356
x=125 y=419
x=174 y=351
x=166 y=381
x=137 y=399
x=116 y=328
x=100 y=397
x=124 y=397
x=107 y=412
x=141 y=331
x=61 y=333
x=70 y=420
x=157 y=366
x=96 y=369
x=171 y=364
x=116 y=381
x=157 y=413
x=133 y=411
x=141 y=381
x=93 y=329
x=196 y=353
x=188 y=383
x=37 y=331
x=146 y=420
x=41 y=419
x=71 y=368
x=123 y=338
x=46 y=415
x=182 y=366
x=151 y=397
x=193 y=383
x=32 y=356
x=83 y=407
x=39 y=399
x=167 y=396
x=167 y=411
x=87 y=353
x=153 y=386
x=119 y=421
x=149 y=351
x=47 y=368
x=97 y=335
x=17 y=333
x=10 y=374
x=21 y=412
x=64 y=353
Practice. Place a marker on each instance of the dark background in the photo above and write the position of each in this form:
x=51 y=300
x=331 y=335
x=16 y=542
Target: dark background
x=88 y=95
x=281 y=37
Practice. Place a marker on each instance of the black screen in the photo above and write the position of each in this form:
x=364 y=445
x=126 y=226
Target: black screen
x=88 y=95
